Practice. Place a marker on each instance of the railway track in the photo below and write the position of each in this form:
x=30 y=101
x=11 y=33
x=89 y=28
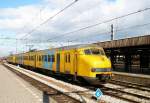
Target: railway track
x=127 y=96
x=60 y=97
x=131 y=85
x=113 y=92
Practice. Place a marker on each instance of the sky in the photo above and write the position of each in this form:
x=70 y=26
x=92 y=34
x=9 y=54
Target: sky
x=16 y=3
x=18 y=19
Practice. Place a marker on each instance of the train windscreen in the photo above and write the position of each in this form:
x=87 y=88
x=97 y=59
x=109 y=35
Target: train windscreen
x=94 y=51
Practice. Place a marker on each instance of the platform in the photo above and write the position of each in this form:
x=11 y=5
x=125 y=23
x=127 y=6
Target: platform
x=13 y=89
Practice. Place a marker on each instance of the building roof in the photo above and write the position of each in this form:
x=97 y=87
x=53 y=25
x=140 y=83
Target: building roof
x=127 y=42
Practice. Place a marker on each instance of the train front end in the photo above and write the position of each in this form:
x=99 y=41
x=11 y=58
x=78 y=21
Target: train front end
x=97 y=64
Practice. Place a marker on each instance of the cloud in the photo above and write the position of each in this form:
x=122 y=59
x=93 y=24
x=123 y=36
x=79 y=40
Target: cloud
x=21 y=20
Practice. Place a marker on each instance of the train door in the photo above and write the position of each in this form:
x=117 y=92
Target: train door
x=58 y=62
x=75 y=65
x=35 y=61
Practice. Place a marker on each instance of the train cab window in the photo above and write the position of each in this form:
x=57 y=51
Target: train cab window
x=97 y=52
x=94 y=51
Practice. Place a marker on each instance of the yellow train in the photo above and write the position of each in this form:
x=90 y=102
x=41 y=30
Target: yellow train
x=86 y=61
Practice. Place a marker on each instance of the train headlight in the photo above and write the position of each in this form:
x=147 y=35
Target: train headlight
x=93 y=70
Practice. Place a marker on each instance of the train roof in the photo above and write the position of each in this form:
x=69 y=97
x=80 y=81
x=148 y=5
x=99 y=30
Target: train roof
x=64 y=48
x=78 y=46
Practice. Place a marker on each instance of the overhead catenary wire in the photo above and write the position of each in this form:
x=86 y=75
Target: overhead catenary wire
x=104 y=32
x=93 y=25
x=33 y=18
x=121 y=29
x=50 y=18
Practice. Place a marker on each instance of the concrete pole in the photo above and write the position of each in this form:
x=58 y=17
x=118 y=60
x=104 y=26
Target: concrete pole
x=112 y=32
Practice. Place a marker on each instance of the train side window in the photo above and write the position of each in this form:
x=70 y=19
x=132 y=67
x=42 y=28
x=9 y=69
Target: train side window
x=45 y=58
x=66 y=58
x=53 y=58
x=69 y=58
x=49 y=58
x=40 y=58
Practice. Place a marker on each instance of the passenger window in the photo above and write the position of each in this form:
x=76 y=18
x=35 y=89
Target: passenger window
x=45 y=58
x=49 y=58
x=53 y=58
x=69 y=58
x=40 y=58
x=37 y=58
x=66 y=58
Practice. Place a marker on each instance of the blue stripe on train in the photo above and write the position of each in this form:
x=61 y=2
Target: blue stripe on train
x=46 y=64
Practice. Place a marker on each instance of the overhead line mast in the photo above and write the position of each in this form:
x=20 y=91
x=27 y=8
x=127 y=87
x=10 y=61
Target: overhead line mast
x=93 y=25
